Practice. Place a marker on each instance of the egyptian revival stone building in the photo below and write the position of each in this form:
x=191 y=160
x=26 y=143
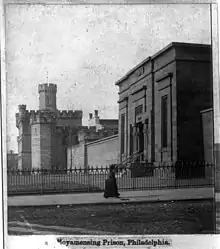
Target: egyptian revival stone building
x=160 y=101
x=45 y=134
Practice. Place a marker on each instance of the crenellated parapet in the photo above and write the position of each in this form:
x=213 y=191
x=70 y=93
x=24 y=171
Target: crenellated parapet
x=47 y=88
x=70 y=114
x=27 y=115
x=42 y=117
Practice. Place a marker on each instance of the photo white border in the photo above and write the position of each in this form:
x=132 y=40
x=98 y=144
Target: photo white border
x=86 y=2
x=179 y=241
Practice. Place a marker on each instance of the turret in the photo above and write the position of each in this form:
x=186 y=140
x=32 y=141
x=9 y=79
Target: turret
x=21 y=115
x=24 y=138
x=22 y=111
x=22 y=108
x=47 y=97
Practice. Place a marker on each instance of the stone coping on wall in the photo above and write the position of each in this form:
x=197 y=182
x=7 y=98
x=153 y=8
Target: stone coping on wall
x=207 y=110
x=102 y=139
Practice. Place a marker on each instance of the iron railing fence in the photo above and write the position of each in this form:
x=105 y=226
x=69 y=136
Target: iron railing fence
x=139 y=176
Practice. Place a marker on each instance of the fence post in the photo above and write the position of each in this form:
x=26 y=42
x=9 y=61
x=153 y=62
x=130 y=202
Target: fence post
x=41 y=176
x=88 y=176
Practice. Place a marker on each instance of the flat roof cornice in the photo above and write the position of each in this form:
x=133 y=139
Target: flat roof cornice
x=132 y=70
x=160 y=52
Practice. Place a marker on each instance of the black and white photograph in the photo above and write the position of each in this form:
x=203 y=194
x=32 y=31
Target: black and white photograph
x=110 y=120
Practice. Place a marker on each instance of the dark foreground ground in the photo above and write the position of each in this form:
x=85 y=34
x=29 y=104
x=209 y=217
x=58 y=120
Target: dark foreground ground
x=147 y=218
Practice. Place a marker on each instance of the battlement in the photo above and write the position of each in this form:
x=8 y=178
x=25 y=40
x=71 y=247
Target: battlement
x=42 y=117
x=26 y=113
x=47 y=88
x=70 y=114
x=34 y=116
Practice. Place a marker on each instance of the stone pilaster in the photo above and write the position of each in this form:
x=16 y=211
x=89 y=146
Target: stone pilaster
x=135 y=136
x=146 y=141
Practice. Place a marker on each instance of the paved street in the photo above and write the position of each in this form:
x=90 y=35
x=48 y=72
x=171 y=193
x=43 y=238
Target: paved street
x=25 y=228
x=181 y=217
x=97 y=198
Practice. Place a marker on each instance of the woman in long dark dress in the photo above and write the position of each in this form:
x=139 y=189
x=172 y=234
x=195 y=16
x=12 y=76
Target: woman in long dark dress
x=111 y=188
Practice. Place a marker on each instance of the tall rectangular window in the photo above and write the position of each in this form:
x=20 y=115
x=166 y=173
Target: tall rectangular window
x=131 y=140
x=122 y=133
x=164 y=119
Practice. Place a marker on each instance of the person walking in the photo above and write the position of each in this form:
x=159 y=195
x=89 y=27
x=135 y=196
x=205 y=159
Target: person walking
x=111 y=188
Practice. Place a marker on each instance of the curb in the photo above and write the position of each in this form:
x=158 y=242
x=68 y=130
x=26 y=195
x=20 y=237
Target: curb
x=52 y=193
x=199 y=199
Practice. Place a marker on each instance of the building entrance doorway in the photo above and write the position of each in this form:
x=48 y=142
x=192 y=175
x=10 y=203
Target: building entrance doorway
x=141 y=168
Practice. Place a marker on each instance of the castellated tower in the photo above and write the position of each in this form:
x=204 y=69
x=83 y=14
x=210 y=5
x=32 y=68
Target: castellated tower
x=47 y=97
x=24 y=138
x=43 y=133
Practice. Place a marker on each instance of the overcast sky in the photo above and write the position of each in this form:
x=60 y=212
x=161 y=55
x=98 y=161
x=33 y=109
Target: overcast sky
x=86 y=49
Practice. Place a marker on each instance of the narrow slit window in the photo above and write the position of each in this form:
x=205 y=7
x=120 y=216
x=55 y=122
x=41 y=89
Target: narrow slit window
x=164 y=119
x=122 y=133
x=131 y=140
x=47 y=101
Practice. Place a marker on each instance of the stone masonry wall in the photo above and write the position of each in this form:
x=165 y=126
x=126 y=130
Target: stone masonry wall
x=24 y=143
x=207 y=120
x=165 y=85
x=103 y=152
x=194 y=95
x=12 y=161
x=59 y=149
x=76 y=156
x=46 y=146
x=69 y=122
x=35 y=146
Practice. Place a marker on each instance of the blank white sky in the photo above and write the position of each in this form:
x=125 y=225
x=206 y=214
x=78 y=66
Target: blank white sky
x=86 y=48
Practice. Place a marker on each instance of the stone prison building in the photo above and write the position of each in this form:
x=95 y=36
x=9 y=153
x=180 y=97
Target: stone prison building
x=160 y=105
x=45 y=134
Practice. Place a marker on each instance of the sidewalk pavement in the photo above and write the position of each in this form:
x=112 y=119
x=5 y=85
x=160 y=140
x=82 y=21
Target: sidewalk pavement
x=126 y=197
